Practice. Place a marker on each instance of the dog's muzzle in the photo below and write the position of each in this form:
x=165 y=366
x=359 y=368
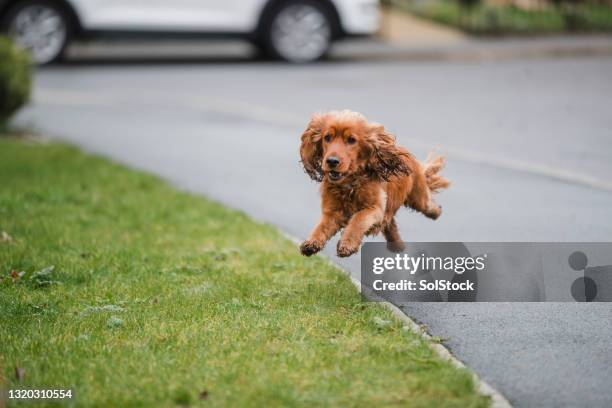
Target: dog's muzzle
x=335 y=175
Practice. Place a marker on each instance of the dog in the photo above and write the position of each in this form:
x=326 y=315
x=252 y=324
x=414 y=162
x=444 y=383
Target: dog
x=365 y=178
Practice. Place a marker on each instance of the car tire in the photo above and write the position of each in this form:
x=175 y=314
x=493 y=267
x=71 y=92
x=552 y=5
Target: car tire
x=41 y=27
x=298 y=31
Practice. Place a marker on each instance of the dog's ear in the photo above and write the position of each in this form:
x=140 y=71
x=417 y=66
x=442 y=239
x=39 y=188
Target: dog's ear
x=311 y=150
x=385 y=158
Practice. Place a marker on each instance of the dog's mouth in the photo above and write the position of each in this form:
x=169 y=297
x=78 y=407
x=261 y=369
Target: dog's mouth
x=335 y=175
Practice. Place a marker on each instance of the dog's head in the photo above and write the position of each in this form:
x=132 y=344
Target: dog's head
x=340 y=144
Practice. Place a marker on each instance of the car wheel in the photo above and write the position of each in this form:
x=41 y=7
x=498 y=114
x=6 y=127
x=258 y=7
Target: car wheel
x=40 y=27
x=298 y=31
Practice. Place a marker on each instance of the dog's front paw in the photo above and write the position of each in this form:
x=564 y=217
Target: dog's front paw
x=346 y=248
x=309 y=248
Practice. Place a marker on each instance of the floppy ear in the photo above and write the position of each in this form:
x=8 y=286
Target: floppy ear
x=386 y=159
x=311 y=150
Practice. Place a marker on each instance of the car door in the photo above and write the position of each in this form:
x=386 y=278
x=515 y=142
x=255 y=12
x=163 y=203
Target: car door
x=170 y=15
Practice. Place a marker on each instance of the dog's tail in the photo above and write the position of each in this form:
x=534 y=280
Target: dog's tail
x=433 y=165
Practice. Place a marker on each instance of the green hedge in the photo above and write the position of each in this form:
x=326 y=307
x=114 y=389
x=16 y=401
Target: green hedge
x=486 y=18
x=15 y=80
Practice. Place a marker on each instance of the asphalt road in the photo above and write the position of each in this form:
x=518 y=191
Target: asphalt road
x=529 y=145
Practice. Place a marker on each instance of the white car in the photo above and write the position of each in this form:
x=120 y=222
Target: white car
x=293 y=30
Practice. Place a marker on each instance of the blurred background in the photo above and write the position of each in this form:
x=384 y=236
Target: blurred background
x=214 y=95
x=295 y=31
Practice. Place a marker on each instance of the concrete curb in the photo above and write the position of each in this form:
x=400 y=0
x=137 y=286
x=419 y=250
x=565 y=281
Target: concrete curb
x=480 y=49
x=497 y=399
x=349 y=50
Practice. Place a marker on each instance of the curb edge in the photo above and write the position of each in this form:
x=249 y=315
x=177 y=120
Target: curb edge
x=497 y=399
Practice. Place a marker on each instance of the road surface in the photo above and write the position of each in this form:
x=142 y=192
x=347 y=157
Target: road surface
x=529 y=145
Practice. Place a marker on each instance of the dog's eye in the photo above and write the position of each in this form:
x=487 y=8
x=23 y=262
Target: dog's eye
x=327 y=137
x=351 y=140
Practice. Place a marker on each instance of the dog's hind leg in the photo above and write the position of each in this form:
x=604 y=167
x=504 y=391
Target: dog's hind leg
x=427 y=181
x=392 y=235
x=430 y=208
x=434 y=182
x=420 y=198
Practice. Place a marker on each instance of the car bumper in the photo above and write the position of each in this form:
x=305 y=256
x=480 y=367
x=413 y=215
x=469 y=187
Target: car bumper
x=359 y=17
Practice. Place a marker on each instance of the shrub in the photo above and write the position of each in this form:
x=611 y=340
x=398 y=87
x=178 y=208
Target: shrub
x=469 y=3
x=499 y=17
x=15 y=79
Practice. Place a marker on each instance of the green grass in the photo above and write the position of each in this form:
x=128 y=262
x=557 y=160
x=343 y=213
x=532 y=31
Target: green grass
x=162 y=298
x=494 y=19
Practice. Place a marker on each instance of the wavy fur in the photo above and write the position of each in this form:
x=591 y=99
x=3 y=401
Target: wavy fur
x=371 y=179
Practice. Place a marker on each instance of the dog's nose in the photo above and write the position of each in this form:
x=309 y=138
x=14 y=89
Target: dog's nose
x=332 y=161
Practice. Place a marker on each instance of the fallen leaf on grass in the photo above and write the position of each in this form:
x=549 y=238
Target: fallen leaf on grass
x=43 y=277
x=381 y=322
x=114 y=322
x=5 y=237
x=15 y=276
x=19 y=373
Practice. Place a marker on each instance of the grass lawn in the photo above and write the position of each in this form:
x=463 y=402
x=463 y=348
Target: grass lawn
x=495 y=19
x=131 y=293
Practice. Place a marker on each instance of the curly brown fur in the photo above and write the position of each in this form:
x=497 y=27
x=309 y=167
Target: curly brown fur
x=365 y=178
